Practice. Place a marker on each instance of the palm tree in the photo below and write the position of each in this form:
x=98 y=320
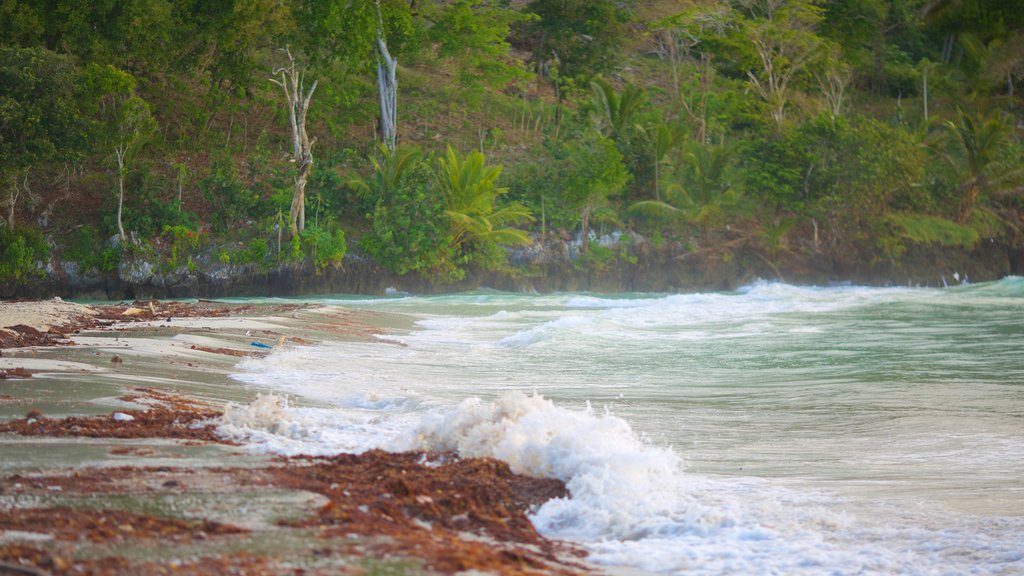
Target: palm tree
x=387 y=171
x=973 y=146
x=662 y=138
x=614 y=112
x=470 y=194
x=702 y=192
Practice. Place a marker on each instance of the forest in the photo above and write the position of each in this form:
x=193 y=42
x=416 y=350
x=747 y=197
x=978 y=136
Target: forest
x=430 y=136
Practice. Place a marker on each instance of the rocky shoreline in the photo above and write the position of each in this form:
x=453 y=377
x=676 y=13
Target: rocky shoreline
x=629 y=265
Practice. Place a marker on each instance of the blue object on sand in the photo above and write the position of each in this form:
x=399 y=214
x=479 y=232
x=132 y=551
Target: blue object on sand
x=261 y=345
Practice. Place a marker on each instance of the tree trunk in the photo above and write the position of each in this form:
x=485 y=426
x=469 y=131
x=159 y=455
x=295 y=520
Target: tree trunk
x=585 y=228
x=120 y=153
x=387 y=88
x=967 y=206
x=298 y=99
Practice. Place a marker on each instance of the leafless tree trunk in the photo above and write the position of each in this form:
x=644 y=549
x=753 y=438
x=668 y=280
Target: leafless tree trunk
x=387 y=88
x=291 y=80
x=833 y=83
x=585 y=227
x=120 y=151
x=779 y=64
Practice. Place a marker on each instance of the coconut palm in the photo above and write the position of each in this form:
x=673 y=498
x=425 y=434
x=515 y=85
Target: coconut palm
x=973 y=146
x=387 y=171
x=615 y=112
x=661 y=138
x=470 y=195
x=702 y=191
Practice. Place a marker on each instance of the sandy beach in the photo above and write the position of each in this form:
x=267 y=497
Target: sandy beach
x=113 y=463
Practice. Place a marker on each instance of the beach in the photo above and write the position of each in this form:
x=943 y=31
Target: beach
x=115 y=460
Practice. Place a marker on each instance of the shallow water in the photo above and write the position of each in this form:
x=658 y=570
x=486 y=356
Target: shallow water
x=772 y=430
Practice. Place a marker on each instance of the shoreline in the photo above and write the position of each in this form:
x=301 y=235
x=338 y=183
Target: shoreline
x=636 y=266
x=114 y=465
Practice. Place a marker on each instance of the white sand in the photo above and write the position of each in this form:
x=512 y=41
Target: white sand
x=42 y=314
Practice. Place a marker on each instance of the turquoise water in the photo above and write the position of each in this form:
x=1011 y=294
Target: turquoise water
x=772 y=430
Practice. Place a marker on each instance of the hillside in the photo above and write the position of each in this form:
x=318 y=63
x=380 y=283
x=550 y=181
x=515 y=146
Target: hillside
x=811 y=141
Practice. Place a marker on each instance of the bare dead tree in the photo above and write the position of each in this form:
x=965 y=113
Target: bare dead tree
x=387 y=88
x=292 y=81
x=783 y=54
x=833 y=83
x=14 y=193
x=120 y=151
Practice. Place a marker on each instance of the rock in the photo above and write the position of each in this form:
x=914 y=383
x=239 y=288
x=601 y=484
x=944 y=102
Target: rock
x=135 y=271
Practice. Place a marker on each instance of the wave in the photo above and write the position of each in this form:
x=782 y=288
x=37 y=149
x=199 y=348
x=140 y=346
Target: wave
x=632 y=503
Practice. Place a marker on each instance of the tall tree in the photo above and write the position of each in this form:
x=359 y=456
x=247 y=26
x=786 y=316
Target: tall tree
x=581 y=34
x=591 y=171
x=292 y=80
x=36 y=129
x=782 y=33
x=974 y=147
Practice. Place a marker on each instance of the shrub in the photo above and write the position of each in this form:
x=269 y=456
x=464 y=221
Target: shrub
x=20 y=249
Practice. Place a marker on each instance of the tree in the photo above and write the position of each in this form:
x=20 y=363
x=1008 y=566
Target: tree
x=591 y=171
x=353 y=37
x=661 y=138
x=34 y=128
x=677 y=39
x=973 y=147
x=785 y=43
x=703 y=190
x=615 y=113
x=297 y=97
x=409 y=228
x=135 y=126
x=581 y=34
x=387 y=90
x=470 y=195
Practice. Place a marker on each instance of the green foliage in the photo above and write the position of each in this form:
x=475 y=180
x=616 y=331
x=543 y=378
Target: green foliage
x=597 y=258
x=90 y=250
x=20 y=249
x=40 y=118
x=614 y=113
x=143 y=93
x=975 y=146
x=470 y=193
x=931 y=230
x=409 y=229
x=184 y=241
x=225 y=192
x=704 y=189
x=257 y=252
x=582 y=35
x=475 y=34
x=325 y=247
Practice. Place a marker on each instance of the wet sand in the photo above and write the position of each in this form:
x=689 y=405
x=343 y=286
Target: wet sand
x=112 y=464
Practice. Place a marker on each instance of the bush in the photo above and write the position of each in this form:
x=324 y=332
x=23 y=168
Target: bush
x=184 y=242
x=88 y=249
x=257 y=252
x=20 y=249
x=228 y=197
x=324 y=247
x=410 y=231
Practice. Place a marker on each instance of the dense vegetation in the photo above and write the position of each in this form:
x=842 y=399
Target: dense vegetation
x=197 y=132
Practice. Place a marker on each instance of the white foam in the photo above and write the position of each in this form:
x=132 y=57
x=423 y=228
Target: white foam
x=270 y=425
x=777 y=379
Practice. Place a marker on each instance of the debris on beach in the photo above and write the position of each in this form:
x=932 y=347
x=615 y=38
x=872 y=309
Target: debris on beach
x=448 y=514
x=168 y=416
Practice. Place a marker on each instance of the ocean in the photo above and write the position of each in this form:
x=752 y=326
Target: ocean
x=772 y=430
